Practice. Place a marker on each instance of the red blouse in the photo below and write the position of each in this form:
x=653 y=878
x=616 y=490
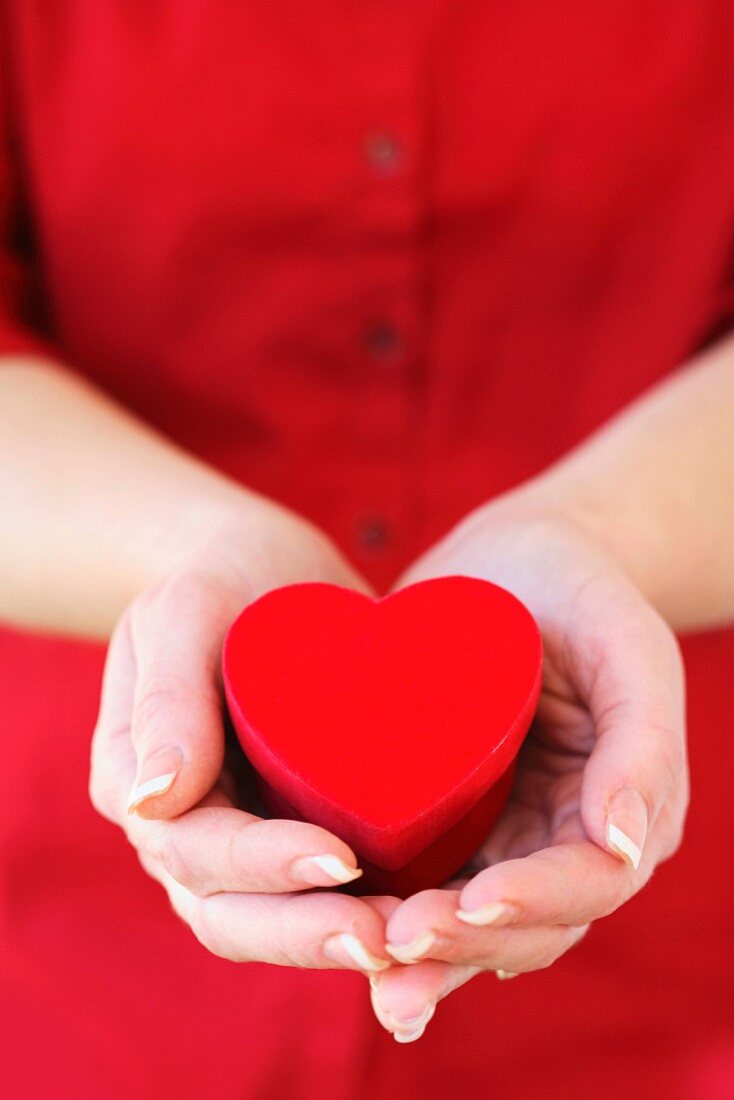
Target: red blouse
x=381 y=261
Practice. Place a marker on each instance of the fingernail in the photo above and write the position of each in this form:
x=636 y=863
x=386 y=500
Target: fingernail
x=413 y=1022
x=505 y=975
x=345 y=944
x=156 y=775
x=624 y=846
x=405 y=1030
x=409 y=1035
x=414 y=951
x=627 y=825
x=324 y=870
x=496 y=913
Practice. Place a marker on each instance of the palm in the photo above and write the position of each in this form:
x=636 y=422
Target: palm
x=544 y=805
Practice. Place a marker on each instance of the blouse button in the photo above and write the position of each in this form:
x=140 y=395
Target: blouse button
x=383 y=342
x=373 y=534
x=384 y=152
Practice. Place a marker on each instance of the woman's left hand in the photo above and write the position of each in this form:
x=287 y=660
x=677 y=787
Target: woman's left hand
x=601 y=788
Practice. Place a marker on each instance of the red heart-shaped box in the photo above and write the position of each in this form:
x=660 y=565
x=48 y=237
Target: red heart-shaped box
x=392 y=722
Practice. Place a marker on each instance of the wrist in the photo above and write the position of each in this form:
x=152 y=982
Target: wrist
x=560 y=500
x=240 y=540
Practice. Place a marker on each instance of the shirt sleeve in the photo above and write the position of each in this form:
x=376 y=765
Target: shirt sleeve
x=21 y=328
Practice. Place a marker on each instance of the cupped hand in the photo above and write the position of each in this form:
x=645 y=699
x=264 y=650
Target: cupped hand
x=159 y=769
x=601 y=789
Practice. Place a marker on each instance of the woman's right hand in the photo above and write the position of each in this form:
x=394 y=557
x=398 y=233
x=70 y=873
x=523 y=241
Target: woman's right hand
x=158 y=760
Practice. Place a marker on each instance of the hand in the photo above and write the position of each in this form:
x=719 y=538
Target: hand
x=158 y=761
x=601 y=788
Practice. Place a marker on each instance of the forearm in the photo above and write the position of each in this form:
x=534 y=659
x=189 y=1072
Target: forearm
x=94 y=505
x=656 y=487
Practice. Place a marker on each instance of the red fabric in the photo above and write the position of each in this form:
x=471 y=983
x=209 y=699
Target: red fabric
x=381 y=261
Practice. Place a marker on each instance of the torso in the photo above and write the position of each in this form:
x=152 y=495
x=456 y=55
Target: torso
x=380 y=261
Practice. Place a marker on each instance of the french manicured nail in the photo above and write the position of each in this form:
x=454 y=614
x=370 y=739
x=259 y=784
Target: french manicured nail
x=403 y=1030
x=156 y=776
x=408 y=1036
x=324 y=870
x=627 y=825
x=414 y=951
x=348 y=950
x=624 y=846
x=496 y=914
x=407 y=1031
x=505 y=975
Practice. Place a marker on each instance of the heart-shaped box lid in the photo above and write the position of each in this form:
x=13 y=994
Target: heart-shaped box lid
x=383 y=720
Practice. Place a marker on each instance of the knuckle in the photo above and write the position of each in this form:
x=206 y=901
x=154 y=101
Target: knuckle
x=184 y=588
x=201 y=917
x=198 y=920
x=155 y=871
x=157 y=604
x=349 y=913
x=154 y=842
x=675 y=753
x=162 y=844
x=660 y=766
x=672 y=766
x=237 y=852
x=145 y=609
x=551 y=952
x=153 y=704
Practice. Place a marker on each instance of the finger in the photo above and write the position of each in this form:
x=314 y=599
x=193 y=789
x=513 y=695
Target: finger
x=214 y=849
x=315 y=930
x=520 y=830
x=566 y=884
x=635 y=788
x=425 y=926
x=382 y=904
x=177 y=729
x=404 y=998
x=112 y=758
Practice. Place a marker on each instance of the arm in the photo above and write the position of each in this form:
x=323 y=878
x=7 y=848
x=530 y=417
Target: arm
x=633 y=528
x=96 y=506
x=100 y=514
x=656 y=487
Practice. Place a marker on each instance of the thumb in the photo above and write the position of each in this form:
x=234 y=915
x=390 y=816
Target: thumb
x=635 y=784
x=177 y=727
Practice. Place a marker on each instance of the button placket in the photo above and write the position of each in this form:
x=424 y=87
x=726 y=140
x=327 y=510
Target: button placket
x=388 y=203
